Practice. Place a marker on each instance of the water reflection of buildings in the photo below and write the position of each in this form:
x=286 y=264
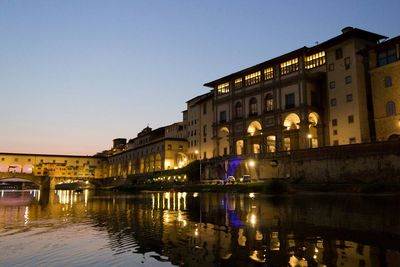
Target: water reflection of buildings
x=240 y=230
x=229 y=229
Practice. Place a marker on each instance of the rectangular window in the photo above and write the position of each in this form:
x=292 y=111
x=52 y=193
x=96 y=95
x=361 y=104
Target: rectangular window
x=350 y=118
x=289 y=101
x=333 y=102
x=290 y=66
x=349 y=97
x=315 y=60
x=339 y=53
x=252 y=78
x=352 y=140
x=205 y=108
x=334 y=122
x=347 y=63
x=238 y=83
x=387 y=56
x=223 y=88
x=335 y=132
x=348 y=79
x=332 y=85
x=205 y=130
x=331 y=67
x=222 y=116
x=388 y=81
x=269 y=73
x=335 y=142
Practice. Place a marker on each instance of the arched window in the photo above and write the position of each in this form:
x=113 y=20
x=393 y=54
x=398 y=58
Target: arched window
x=253 y=107
x=269 y=103
x=238 y=110
x=390 y=108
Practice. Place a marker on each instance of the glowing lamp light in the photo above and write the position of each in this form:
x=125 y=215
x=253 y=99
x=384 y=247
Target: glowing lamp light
x=252 y=163
x=309 y=136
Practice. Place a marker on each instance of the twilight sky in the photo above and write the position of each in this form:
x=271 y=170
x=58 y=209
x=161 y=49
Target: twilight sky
x=76 y=74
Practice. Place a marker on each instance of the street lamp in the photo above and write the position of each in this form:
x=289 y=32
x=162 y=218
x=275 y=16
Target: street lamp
x=309 y=136
x=198 y=154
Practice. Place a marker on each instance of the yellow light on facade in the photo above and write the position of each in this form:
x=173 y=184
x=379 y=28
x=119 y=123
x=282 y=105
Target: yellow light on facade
x=252 y=163
x=252 y=195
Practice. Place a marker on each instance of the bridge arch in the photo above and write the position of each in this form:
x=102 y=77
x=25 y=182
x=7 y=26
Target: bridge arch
x=42 y=181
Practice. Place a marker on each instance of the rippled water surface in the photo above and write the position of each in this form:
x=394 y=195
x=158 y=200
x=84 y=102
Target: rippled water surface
x=63 y=228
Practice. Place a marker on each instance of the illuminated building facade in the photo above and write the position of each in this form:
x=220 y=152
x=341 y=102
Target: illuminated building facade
x=152 y=150
x=199 y=122
x=384 y=70
x=307 y=98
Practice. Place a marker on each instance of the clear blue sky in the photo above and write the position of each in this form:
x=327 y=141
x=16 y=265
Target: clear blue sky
x=76 y=74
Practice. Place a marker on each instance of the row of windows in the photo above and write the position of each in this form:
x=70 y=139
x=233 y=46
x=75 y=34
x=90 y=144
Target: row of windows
x=347 y=80
x=350 y=119
x=287 y=67
x=54 y=161
x=315 y=60
x=349 y=98
x=253 y=107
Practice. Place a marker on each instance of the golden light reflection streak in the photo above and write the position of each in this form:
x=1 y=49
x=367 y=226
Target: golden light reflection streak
x=86 y=194
x=26 y=216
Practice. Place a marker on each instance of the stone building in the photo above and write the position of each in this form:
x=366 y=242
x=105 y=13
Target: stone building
x=199 y=122
x=309 y=97
x=152 y=150
x=384 y=70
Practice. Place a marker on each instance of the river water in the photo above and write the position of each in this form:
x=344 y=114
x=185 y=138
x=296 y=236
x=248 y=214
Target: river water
x=65 y=228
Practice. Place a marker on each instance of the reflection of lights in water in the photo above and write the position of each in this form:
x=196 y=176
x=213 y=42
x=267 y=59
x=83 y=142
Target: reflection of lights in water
x=241 y=238
x=196 y=232
x=152 y=201
x=256 y=257
x=86 y=195
x=2 y=193
x=253 y=219
x=26 y=216
x=259 y=236
x=275 y=243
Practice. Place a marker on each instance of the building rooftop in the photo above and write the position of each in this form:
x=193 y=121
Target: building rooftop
x=347 y=33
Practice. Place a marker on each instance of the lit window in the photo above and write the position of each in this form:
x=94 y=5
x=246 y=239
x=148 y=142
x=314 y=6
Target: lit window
x=269 y=103
x=238 y=83
x=252 y=78
x=223 y=88
x=290 y=66
x=268 y=73
x=315 y=60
